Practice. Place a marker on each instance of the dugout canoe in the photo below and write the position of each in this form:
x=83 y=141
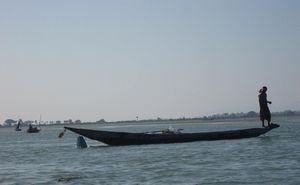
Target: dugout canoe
x=126 y=138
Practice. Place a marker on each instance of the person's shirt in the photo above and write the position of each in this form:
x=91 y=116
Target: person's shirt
x=263 y=100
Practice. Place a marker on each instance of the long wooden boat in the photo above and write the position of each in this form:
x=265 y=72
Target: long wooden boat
x=126 y=138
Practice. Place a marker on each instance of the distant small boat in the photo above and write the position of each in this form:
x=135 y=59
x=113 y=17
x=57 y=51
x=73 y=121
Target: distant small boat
x=18 y=125
x=125 y=138
x=32 y=129
x=18 y=129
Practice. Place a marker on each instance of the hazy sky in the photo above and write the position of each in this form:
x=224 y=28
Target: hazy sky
x=117 y=60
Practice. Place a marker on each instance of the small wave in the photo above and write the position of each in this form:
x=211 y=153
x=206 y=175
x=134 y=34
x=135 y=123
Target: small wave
x=66 y=178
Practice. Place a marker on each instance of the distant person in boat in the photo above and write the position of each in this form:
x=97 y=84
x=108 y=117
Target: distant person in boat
x=18 y=125
x=265 y=113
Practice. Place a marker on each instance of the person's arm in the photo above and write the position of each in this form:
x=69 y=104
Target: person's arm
x=268 y=101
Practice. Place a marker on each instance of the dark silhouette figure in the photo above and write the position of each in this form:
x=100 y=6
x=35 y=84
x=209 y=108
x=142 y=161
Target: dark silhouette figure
x=265 y=113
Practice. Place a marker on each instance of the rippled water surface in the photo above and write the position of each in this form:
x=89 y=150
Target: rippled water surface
x=43 y=158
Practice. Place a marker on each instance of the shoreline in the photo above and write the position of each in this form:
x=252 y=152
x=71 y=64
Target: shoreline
x=275 y=119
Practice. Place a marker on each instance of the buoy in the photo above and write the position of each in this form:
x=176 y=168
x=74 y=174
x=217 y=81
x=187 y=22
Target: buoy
x=81 y=142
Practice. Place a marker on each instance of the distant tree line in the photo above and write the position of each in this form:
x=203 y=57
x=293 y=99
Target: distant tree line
x=250 y=114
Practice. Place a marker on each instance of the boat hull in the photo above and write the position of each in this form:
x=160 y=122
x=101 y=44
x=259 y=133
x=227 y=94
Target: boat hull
x=33 y=130
x=125 y=138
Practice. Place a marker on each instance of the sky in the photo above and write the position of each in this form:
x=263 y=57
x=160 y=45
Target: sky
x=116 y=60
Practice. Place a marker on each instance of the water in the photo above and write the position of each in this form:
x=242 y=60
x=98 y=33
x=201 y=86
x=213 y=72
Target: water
x=43 y=158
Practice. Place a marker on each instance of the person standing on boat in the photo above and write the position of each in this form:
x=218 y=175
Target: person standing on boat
x=265 y=113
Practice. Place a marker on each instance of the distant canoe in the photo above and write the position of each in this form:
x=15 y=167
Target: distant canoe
x=33 y=130
x=125 y=138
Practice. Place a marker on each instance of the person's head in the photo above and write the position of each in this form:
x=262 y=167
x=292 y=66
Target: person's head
x=264 y=89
